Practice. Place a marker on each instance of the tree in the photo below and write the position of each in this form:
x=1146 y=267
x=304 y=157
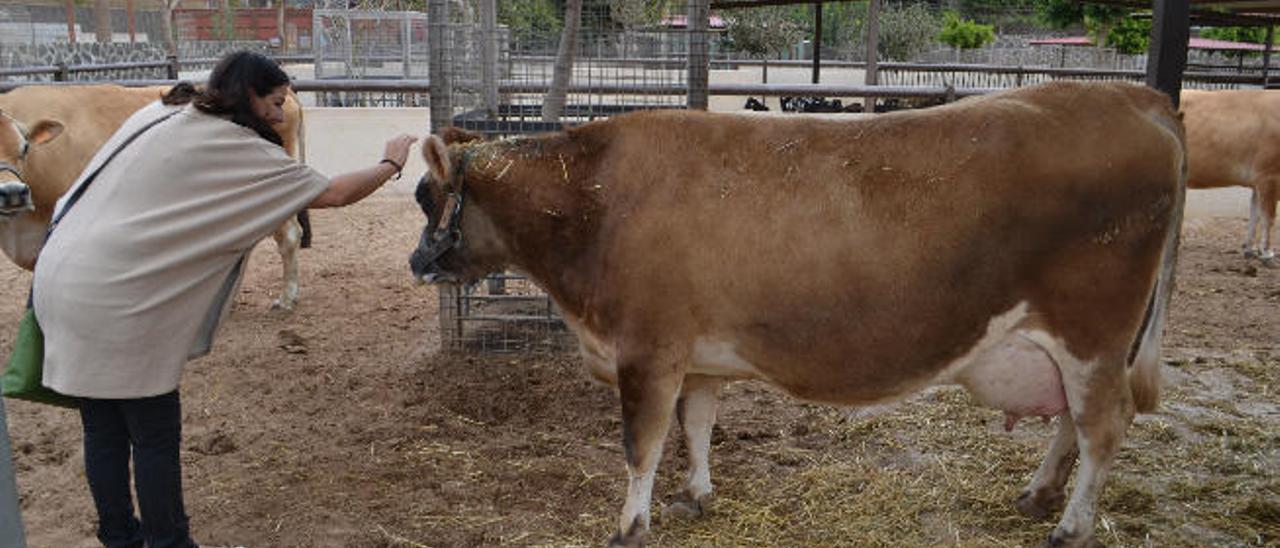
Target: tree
x=102 y=20
x=562 y=73
x=1098 y=20
x=962 y=33
x=1130 y=36
x=638 y=13
x=530 y=21
x=761 y=32
x=907 y=30
x=166 y=25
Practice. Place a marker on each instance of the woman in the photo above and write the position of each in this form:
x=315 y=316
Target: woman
x=135 y=277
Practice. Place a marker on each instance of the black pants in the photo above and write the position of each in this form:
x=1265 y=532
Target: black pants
x=150 y=428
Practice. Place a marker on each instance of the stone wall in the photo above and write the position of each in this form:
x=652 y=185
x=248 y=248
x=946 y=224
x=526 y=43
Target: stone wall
x=99 y=54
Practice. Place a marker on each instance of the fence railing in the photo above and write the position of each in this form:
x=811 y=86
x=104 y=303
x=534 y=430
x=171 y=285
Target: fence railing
x=957 y=74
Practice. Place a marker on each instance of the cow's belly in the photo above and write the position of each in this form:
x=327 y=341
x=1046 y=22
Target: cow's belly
x=1010 y=368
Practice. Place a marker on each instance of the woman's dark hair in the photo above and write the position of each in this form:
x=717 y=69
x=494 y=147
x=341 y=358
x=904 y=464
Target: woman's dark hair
x=228 y=91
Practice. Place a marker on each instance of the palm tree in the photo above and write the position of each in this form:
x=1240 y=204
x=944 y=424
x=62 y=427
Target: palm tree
x=553 y=104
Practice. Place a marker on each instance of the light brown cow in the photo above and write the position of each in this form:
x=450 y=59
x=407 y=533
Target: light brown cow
x=49 y=164
x=1020 y=244
x=1232 y=140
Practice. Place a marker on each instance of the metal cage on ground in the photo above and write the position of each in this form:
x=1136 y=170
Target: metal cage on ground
x=498 y=77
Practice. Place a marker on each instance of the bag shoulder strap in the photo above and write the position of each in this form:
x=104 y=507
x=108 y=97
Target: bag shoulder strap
x=79 y=190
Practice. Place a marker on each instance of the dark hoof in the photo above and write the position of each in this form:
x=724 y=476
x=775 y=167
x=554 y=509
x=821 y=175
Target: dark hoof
x=686 y=507
x=1039 y=505
x=634 y=538
x=1062 y=539
x=1252 y=254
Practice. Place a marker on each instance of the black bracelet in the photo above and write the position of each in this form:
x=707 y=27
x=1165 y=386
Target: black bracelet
x=399 y=168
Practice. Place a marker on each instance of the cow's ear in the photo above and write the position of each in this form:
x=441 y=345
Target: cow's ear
x=44 y=131
x=453 y=135
x=436 y=154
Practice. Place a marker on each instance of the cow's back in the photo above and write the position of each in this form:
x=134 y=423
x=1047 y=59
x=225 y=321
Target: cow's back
x=813 y=246
x=1231 y=136
x=90 y=114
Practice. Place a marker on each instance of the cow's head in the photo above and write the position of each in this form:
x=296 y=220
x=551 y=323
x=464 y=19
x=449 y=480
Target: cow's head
x=16 y=140
x=459 y=244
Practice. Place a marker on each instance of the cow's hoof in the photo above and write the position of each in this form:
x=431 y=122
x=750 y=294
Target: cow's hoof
x=1251 y=254
x=686 y=506
x=1269 y=261
x=1060 y=538
x=282 y=305
x=634 y=537
x=1039 y=505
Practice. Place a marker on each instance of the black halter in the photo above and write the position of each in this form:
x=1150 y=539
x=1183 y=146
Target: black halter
x=442 y=239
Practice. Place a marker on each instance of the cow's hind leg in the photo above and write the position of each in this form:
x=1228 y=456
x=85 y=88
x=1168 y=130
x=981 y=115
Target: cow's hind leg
x=696 y=409
x=288 y=238
x=648 y=385
x=1044 y=495
x=1267 y=195
x=1251 y=230
x=1101 y=407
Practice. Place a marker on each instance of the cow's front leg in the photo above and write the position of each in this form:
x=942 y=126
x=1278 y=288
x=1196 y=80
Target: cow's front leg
x=696 y=409
x=288 y=238
x=648 y=386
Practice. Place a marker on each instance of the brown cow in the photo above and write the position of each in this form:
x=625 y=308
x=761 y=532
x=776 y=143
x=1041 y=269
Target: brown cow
x=88 y=115
x=1012 y=244
x=1231 y=141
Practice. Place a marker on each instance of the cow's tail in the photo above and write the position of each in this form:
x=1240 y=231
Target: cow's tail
x=1144 y=377
x=304 y=219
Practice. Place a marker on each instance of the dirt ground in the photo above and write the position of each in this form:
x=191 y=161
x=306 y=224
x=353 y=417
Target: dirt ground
x=340 y=425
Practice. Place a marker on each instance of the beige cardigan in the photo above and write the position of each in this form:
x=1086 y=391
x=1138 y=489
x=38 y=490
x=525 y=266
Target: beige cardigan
x=134 y=279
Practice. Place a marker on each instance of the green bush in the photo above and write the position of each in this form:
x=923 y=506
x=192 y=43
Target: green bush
x=965 y=34
x=1130 y=36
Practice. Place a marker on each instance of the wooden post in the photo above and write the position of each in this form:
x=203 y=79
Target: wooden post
x=817 y=41
x=406 y=52
x=10 y=516
x=438 y=71
x=1167 y=56
x=317 y=52
x=280 y=32
x=172 y=68
x=699 y=60
x=872 y=77
x=1266 y=58
x=71 y=20
x=489 y=56
x=132 y=21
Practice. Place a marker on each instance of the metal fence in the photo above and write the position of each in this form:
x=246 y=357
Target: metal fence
x=492 y=80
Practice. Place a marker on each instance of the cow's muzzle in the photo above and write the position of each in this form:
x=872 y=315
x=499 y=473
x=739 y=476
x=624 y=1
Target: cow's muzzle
x=425 y=260
x=15 y=195
x=442 y=235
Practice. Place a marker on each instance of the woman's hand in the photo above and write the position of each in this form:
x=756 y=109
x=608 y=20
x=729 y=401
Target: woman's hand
x=397 y=149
